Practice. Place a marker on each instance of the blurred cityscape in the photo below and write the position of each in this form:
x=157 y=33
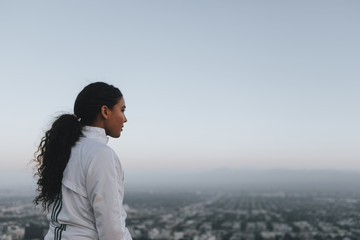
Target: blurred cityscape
x=207 y=215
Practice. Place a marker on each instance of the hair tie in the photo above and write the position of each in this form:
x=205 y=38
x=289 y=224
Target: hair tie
x=77 y=118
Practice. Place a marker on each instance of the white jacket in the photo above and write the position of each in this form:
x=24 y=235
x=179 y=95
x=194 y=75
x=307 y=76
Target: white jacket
x=90 y=206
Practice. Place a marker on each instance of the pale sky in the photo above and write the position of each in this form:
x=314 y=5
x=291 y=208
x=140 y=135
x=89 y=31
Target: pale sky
x=207 y=84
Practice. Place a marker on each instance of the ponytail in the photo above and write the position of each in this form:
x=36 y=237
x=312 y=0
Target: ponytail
x=53 y=155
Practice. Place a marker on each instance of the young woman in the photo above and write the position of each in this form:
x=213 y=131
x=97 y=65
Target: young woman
x=80 y=181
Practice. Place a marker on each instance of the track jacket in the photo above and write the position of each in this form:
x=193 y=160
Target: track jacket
x=90 y=205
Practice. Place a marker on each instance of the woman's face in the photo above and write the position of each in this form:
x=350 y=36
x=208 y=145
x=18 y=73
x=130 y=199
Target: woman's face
x=116 y=119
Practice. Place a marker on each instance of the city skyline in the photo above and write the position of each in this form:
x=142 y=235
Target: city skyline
x=202 y=215
x=207 y=84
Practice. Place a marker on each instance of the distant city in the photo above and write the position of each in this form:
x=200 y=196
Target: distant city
x=211 y=215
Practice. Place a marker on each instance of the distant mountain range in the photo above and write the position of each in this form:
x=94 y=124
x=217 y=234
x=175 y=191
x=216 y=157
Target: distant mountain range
x=248 y=179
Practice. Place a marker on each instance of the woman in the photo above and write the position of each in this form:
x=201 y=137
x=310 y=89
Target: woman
x=80 y=181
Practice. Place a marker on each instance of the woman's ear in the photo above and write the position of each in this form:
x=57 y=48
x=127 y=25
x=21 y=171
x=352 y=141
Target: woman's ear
x=104 y=111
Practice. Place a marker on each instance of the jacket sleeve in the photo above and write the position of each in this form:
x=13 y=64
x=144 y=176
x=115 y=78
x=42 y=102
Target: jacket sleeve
x=105 y=190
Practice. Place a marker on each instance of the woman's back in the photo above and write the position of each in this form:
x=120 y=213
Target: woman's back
x=92 y=193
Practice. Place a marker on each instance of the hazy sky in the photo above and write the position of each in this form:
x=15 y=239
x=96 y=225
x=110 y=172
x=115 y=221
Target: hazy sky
x=207 y=84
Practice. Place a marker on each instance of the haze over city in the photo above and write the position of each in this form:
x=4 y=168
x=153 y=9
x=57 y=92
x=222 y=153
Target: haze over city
x=207 y=84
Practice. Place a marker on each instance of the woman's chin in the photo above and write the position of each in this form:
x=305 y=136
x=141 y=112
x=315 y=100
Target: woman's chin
x=115 y=135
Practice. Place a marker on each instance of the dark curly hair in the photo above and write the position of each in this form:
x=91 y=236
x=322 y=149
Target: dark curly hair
x=54 y=149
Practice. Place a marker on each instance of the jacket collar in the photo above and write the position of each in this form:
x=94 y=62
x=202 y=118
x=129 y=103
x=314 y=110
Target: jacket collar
x=95 y=133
